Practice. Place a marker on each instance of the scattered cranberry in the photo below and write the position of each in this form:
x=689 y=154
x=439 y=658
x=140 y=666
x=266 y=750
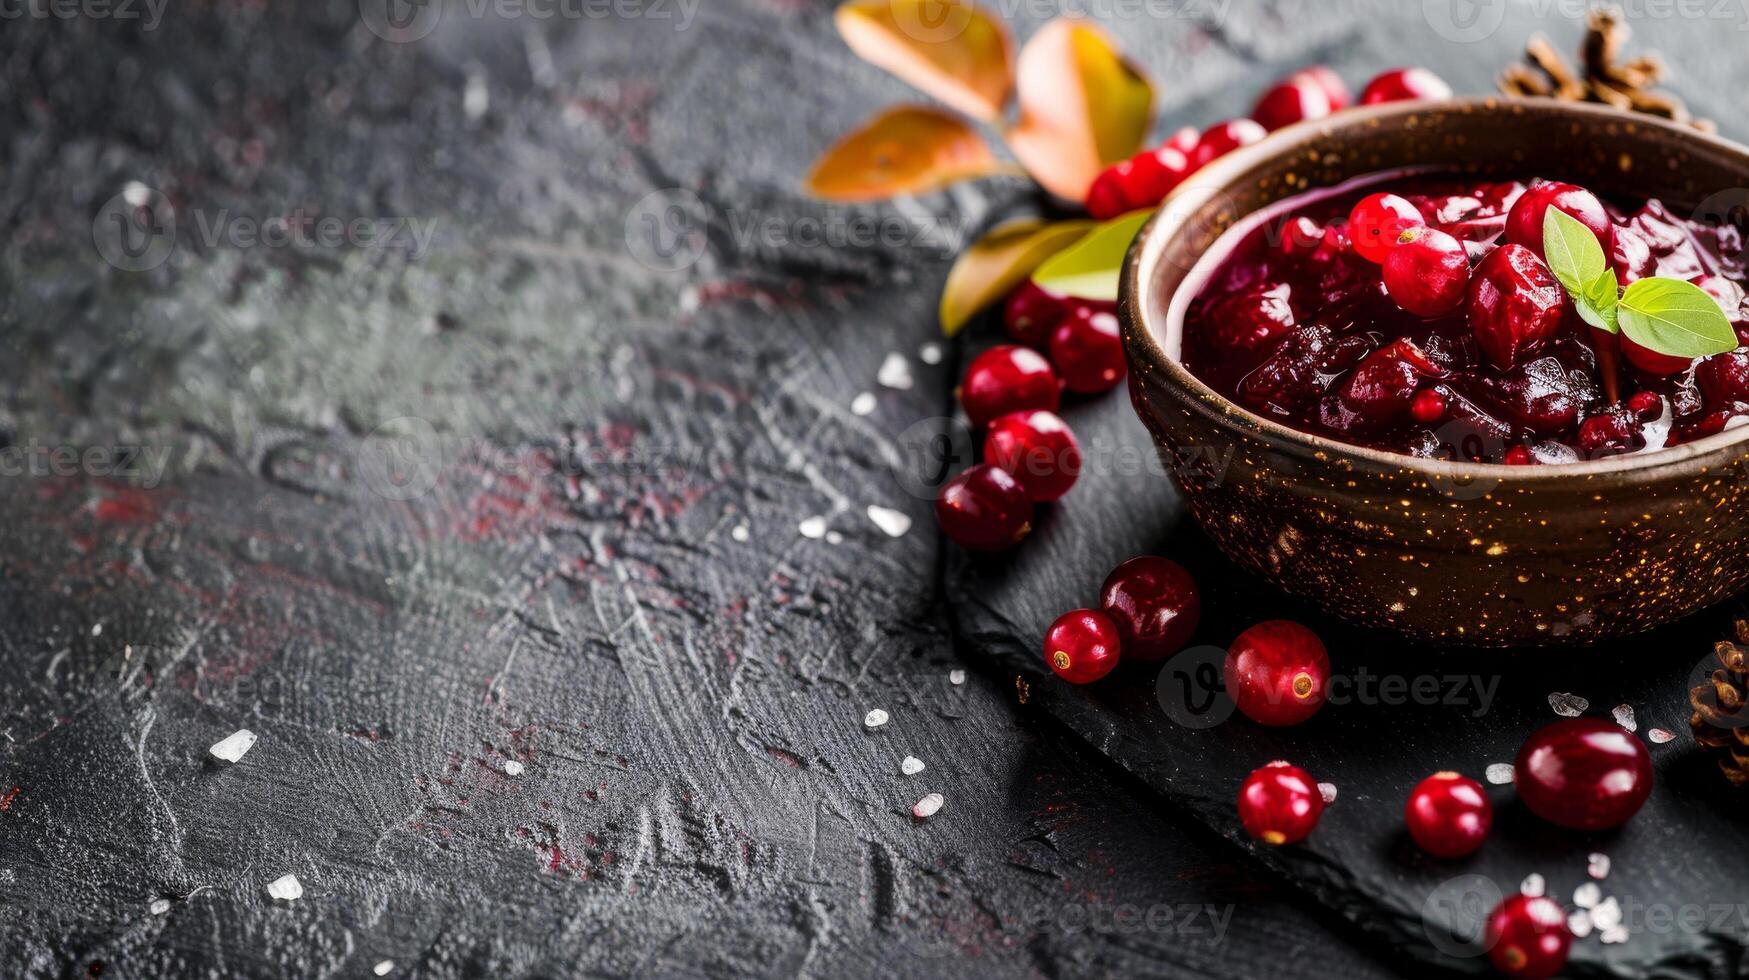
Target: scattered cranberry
x=1032 y=312
x=1724 y=378
x=984 y=509
x=1088 y=351
x=1524 y=224
x=1515 y=304
x=1308 y=94
x=1584 y=774
x=1142 y=181
x=1400 y=84
x=1378 y=221
x=1280 y=804
x=1647 y=406
x=1037 y=449
x=1105 y=196
x=1427 y=272
x=1081 y=646
x=1429 y=406
x=1183 y=141
x=1007 y=379
x=1277 y=673
x=1518 y=456
x=1527 y=937
x=1448 y=815
x=1155 y=604
x=1223 y=138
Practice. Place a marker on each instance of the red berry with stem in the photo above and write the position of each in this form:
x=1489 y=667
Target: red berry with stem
x=1515 y=305
x=1277 y=672
x=1223 y=138
x=1378 y=221
x=1427 y=272
x=1155 y=604
x=1584 y=774
x=1032 y=312
x=1088 y=351
x=1082 y=646
x=1007 y=379
x=1528 y=937
x=984 y=509
x=1400 y=84
x=1297 y=97
x=1448 y=815
x=1037 y=449
x=1524 y=223
x=1280 y=804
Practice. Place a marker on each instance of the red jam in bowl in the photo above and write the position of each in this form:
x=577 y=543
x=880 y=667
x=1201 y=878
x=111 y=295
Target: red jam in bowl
x=1479 y=355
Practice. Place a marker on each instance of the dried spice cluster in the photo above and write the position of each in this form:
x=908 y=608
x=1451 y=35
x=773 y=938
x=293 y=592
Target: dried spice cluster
x=1719 y=722
x=1604 y=77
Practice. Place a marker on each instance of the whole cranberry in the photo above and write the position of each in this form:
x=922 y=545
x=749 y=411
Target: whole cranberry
x=1378 y=222
x=1611 y=431
x=1280 y=804
x=1524 y=223
x=1184 y=140
x=1652 y=362
x=1155 y=604
x=1647 y=406
x=1037 y=449
x=1302 y=95
x=1277 y=673
x=1724 y=378
x=1223 y=138
x=1380 y=389
x=1584 y=774
x=1429 y=406
x=1400 y=84
x=1032 y=312
x=1081 y=646
x=1427 y=272
x=1087 y=348
x=1448 y=815
x=1528 y=937
x=984 y=509
x=1007 y=379
x=1518 y=456
x=1105 y=196
x=1153 y=174
x=1515 y=305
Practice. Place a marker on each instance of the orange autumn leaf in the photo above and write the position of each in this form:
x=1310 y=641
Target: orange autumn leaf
x=1000 y=261
x=1083 y=107
x=904 y=150
x=949 y=49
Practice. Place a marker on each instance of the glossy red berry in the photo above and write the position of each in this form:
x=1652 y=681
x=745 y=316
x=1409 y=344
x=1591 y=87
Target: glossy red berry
x=1528 y=937
x=1223 y=138
x=1088 y=351
x=1032 y=312
x=1647 y=406
x=1037 y=449
x=1378 y=221
x=1613 y=430
x=1524 y=223
x=1280 y=804
x=1184 y=140
x=1007 y=379
x=1427 y=272
x=1724 y=378
x=1082 y=646
x=1400 y=84
x=1518 y=456
x=1448 y=815
x=1584 y=774
x=1429 y=406
x=984 y=509
x=1277 y=673
x=1155 y=604
x=1515 y=305
x=1650 y=361
x=1300 y=96
x=1105 y=196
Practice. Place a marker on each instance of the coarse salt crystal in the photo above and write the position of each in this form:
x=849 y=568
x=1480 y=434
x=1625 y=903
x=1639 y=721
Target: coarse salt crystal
x=813 y=527
x=1500 y=773
x=97 y=629
x=740 y=533
x=862 y=404
x=1598 y=866
x=159 y=906
x=286 y=888
x=1624 y=716
x=875 y=718
x=1587 y=896
x=929 y=353
x=956 y=677
x=911 y=766
x=894 y=522
x=1533 y=886
x=1579 y=924
x=927 y=806
x=1614 y=934
x=1327 y=791
x=384 y=968
x=233 y=746
x=1568 y=705
x=1660 y=736
x=833 y=537
x=1607 y=915
x=895 y=372
x=512 y=767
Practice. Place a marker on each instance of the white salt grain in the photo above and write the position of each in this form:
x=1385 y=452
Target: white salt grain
x=833 y=537
x=1568 y=705
x=1587 y=896
x=1659 y=736
x=927 y=806
x=512 y=768
x=1598 y=866
x=1579 y=924
x=740 y=533
x=1500 y=773
x=895 y=372
x=863 y=404
x=233 y=746
x=286 y=888
x=911 y=766
x=159 y=906
x=1532 y=887
x=929 y=353
x=894 y=522
x=1328 y=792
x=1614 y=934
x=956 y=677
x=813 y=527
x=1607 y=915
x=97 y=630
x=1624 y=716
x=875 y=718
x=384 y=968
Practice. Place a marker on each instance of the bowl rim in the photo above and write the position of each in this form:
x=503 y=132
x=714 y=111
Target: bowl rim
x=1143 y=344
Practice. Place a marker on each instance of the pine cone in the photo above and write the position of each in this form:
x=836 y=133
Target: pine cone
x=1721 y=708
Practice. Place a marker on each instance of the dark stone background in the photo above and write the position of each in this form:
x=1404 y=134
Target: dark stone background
x=586 y=422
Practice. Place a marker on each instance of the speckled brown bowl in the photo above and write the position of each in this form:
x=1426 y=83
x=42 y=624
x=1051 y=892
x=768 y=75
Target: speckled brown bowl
x=1459 y=553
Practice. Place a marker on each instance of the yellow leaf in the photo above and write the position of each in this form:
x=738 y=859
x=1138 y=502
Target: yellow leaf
x=949 y=49
x=1083 y=107
x=904 y=150
x=1091 y=269
x=1000 y=261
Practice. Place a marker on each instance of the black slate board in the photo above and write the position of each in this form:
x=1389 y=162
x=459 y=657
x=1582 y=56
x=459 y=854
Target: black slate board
x=1679 y=870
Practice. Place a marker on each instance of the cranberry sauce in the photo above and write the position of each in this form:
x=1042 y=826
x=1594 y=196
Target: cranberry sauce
x=1338 y=314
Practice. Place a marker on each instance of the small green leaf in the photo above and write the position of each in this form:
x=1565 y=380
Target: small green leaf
x=1089 y=269
x=1675 y=318
x=1576 y=258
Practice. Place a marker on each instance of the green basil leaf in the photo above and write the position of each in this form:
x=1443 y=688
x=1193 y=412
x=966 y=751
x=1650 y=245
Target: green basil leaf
x=1576 y=258
x=1089 y=269
x=1675 y=318
x=1599 y=302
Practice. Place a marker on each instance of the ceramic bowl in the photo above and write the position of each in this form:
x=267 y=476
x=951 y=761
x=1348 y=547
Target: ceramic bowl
x=1471 y=554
